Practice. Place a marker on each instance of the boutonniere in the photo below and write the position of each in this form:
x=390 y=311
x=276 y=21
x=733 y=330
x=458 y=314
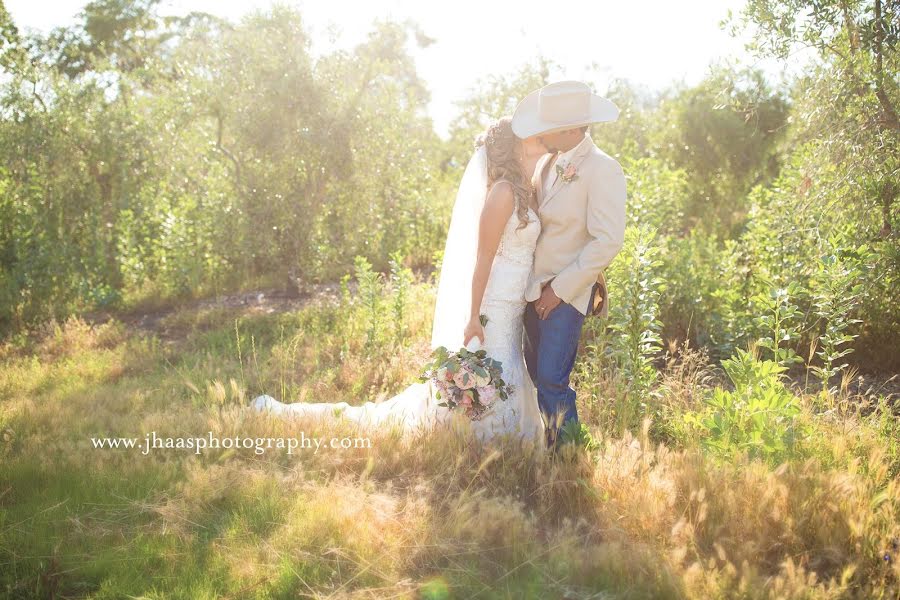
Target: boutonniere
x=568 y=174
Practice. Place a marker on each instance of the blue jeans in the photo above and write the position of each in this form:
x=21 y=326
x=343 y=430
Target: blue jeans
x=550 y=348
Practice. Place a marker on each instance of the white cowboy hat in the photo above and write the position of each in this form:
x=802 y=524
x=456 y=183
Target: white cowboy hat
x=560 y=106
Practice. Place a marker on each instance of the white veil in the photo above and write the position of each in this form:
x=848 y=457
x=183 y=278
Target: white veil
x=454 y=294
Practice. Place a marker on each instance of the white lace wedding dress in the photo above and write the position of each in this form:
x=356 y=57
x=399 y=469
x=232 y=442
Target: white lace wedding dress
x=415 y=407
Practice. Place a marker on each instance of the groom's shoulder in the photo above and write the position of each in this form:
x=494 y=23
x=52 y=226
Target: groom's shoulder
x=602 y=161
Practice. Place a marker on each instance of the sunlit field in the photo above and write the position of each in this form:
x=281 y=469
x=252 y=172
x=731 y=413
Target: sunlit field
x=649 y=514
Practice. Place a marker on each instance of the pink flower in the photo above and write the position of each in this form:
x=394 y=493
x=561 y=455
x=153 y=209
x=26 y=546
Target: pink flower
x=468 y=398
x=568 y=173
x=464 y=378
x=487 y=395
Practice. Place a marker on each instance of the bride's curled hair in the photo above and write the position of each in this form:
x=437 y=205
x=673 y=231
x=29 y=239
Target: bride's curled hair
x=504 y=164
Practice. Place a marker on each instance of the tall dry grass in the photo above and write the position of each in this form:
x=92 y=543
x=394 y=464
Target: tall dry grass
x=434 y=516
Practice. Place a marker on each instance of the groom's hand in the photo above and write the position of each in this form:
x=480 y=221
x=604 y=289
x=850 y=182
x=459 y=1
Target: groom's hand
x=547 y=302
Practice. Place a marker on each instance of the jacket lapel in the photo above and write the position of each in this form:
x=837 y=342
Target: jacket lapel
x=559 y=183
x=556 y=184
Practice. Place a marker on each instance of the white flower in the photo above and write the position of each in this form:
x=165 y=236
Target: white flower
x=482 y=380
x=443 y=375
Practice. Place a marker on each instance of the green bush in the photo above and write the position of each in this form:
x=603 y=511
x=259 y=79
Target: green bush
x=634 y=322
x=836 y=295
x=758 y=417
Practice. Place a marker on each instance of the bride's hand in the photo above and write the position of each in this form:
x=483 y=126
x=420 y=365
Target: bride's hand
x=473 y=329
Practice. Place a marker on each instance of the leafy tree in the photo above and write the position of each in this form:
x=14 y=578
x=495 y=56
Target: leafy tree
x=147 y=156
x=724 y=134
x=11 y=52
x=847 y=132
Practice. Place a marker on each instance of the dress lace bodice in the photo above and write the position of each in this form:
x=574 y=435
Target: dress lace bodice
x=504 y=306
x=517 y=243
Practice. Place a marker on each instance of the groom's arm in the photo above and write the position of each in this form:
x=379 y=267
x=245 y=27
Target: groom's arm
x=605 y=223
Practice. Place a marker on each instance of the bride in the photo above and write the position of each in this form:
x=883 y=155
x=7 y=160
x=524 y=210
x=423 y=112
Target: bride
x=487 y=259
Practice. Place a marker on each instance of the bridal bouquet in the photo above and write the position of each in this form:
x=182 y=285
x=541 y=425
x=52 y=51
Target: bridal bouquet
x=466 y=380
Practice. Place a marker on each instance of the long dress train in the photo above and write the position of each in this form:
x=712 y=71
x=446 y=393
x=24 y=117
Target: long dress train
x=504 y=306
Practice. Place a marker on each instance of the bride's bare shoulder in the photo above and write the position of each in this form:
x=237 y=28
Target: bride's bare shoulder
x=500 y=201
x=502 y=192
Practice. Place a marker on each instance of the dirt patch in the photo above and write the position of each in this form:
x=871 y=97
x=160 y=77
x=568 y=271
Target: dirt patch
x=165 y=323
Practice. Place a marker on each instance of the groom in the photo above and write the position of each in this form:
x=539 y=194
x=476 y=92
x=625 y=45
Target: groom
x=581 y=203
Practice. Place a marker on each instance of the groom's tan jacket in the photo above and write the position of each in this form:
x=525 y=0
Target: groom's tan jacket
x=582 y=225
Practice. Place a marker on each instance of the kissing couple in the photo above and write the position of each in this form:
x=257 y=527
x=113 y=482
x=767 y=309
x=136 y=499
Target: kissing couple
x=539 y=215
